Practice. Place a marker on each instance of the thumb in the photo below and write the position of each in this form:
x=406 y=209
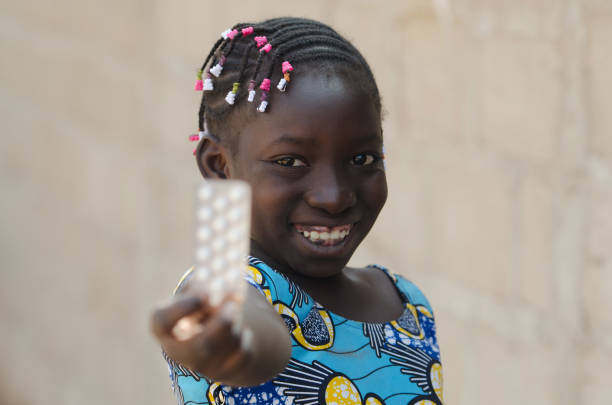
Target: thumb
x=166 y=316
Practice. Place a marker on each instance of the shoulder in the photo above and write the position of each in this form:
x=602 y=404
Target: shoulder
x=270 y=282
x=259 y=274
x=406 y=287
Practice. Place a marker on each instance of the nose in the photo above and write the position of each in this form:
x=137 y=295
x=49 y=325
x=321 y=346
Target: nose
x=331 y=191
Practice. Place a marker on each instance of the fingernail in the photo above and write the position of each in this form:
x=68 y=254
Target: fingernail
x=186 y=328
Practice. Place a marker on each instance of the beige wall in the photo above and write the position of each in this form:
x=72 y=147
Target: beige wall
x=499 y=138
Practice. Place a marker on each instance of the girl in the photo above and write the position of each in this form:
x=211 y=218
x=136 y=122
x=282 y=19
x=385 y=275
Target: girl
x=292 y=108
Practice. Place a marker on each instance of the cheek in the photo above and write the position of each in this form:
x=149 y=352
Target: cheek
x=272 y=203
x=374 y=192
x=268 y=207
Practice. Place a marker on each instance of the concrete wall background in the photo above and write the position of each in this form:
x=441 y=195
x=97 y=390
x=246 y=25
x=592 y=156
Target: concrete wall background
x=499 y=140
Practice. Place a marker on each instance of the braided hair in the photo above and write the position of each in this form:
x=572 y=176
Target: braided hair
x=254 y=56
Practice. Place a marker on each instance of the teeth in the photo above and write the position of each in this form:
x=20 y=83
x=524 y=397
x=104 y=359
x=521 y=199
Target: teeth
x=324 y=236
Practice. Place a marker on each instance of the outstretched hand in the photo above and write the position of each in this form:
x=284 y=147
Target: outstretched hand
x=239 y=344
x=207 y=339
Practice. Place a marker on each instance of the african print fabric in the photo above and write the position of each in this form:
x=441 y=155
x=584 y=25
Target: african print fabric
x=334 y=360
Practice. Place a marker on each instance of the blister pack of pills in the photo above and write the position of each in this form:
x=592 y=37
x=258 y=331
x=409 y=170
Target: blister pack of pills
x=223 y=219
x=223 y=216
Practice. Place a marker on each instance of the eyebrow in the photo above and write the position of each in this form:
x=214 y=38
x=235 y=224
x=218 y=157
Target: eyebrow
x=369 y=138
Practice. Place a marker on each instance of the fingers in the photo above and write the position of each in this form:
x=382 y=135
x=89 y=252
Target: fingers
x=166 y=317
x=223 y=342
x=211 y=340
x=214 y=346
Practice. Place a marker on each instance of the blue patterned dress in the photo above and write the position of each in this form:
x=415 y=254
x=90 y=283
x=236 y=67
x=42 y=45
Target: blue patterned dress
x=334 y=360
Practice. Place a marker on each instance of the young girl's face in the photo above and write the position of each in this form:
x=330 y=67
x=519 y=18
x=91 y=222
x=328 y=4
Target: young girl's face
x=314 y=162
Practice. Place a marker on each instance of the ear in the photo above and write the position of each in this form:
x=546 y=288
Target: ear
x=213 y=159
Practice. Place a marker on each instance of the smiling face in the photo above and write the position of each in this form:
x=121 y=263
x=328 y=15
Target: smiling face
x=314 y=162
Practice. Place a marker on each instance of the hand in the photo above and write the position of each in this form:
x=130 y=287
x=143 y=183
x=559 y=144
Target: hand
x=206 y=339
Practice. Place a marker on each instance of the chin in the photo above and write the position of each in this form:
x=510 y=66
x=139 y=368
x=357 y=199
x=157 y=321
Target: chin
x=319 y=258
x=320 y=268
x=296 y=253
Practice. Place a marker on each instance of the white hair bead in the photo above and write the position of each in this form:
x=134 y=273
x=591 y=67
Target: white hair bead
x=251 y=96
x=230 y=98
x=224 y=33
x=282 y=84
x=208 y=85
x=216 y=70
x=262 y=106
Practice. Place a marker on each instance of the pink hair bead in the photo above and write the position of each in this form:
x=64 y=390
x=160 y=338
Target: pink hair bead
x=194 y=137
x=266 y=48
x=247 y=31
x=287 y=67
x=199 y=85
x=261 y=41
x=265 y=85
x=232 y=34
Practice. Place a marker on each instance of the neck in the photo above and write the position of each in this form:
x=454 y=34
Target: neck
x=258 y=252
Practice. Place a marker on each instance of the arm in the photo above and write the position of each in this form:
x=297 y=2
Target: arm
x=236 y=355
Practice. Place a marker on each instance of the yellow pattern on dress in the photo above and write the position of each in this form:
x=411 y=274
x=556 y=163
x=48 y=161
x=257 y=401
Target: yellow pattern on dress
x=297 y=333
x=412 y=310
x=341 y=391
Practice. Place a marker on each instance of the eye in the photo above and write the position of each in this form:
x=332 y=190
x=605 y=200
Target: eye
x=290 y=162
x=364 y=159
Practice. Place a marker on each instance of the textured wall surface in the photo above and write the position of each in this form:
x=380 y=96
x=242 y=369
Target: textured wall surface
x=499 y=140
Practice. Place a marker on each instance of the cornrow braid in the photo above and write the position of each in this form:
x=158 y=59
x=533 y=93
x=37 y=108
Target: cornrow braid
x=292 y=37
x=315 y=42
x=249 y=55
x=207 y=84
x=284 y=27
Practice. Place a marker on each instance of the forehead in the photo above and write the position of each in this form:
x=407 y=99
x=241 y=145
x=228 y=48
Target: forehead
x=322 y=106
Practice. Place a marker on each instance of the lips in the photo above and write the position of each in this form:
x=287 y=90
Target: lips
x=324 y=235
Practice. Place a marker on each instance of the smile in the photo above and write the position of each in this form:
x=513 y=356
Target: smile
x=324 y=235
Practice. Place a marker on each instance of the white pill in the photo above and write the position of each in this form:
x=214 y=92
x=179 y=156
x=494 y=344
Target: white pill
x=218 y=264
x=204 y=233
x=234 y=234
x=205 y=213
x=205 y=192
x=233 y=256
x=218 y=245
x=237 y=193
x=203 y=253
x=219 y=224
x=202 y=274
x=235 y=214
x=220 y=203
